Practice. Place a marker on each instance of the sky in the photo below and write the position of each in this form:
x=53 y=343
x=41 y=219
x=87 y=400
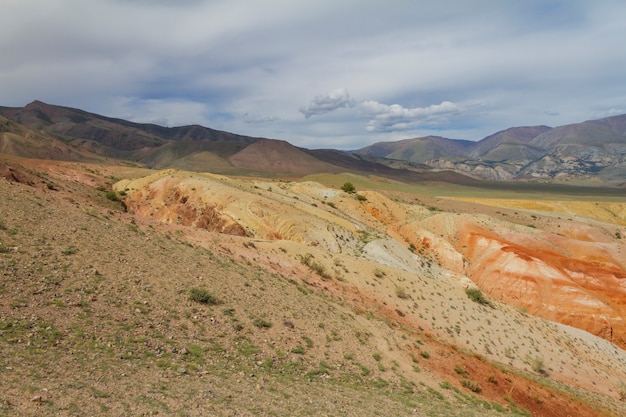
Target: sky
x=339 y=74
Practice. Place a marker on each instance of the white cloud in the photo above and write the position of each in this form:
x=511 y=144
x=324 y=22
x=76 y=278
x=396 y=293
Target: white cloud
x=389 y=118
x=336 y=99
x=255 y=119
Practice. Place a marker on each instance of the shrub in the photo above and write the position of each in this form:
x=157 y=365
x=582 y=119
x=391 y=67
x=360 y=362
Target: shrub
x=261 y=323
x=477 y=296
x=379 y=273
x=202 y=296
x=401 y=293
x=471 y=385
x=536 y=363
x=315 y=266
x=459 y=370
x=361 y=197
x=112 y=195
x=308 y=341
x=348 y=187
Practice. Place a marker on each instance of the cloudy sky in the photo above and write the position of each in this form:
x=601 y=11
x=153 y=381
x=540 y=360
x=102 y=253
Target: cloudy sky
x=321 y=73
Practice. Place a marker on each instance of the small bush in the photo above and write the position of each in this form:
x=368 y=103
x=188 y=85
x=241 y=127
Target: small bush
x=536 y=363
x=425 y=354
x=380 y=383
x=308 y=341
x=315 y=266
x=471 y=385
x=361 y=197
x=477 y=296
x=202 y=296
x=401 y=293
x=70 y=251
x=112 y=195
x=348 y=187
x=261 y=323
x=379 y=273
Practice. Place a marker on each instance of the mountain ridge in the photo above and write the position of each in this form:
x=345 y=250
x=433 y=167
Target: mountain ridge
x=590 y=149
x=594 y=150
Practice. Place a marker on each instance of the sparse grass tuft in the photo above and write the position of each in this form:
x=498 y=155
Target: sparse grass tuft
x=261 y=323
x=459 y=370
x=471 y=385
x=477 y=296
x=202 y=296
x=315 y=266
x=402 y=294
x=536 y=364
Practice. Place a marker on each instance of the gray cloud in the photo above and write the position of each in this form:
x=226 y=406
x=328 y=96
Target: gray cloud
x=336 y=99
x=384 y=118
x=247 y=118
x=212 y=61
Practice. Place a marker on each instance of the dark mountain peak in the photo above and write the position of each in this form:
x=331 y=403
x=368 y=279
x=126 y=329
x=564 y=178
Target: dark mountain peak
x=36 y=104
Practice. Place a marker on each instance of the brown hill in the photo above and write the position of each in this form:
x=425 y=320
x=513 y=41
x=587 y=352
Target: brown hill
x=17 y=139
x=278 y=156
x=418 y=150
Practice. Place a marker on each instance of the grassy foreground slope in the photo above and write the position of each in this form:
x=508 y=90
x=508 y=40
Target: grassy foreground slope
x=106 y=313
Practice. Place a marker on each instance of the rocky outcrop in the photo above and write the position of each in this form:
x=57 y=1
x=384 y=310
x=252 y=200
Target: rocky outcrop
x=569 y=271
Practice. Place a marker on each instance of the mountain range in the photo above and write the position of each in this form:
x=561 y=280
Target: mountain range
x=593 y=150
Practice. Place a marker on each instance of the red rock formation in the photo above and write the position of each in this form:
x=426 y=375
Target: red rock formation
x=584 y=289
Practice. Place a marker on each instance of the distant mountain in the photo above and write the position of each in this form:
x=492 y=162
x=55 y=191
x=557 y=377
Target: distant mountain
x=118 y=137
x=418 y=150
x=591 y=149
x=41 y=130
